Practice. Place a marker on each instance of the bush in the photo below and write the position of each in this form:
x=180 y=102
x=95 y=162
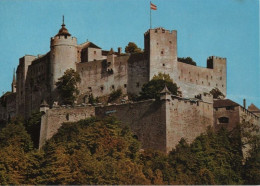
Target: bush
x=115 y=95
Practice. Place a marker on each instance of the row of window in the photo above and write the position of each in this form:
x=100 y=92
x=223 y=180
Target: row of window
x=113 y=87
x=202 y=82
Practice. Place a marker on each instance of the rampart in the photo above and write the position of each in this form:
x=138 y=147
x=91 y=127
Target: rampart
x=53 y=119
x=157 y=124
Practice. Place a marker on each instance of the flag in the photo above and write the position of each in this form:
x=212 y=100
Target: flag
x=153 y=7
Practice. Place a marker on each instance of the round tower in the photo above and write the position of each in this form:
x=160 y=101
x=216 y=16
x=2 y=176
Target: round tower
x=63 y=54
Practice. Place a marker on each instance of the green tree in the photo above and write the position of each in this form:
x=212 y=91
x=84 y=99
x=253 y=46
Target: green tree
x=187 y=60
x=92 y=152
x=132 y=48
x=216 y=93
x=152 y=89
x=33 y=126
x=67 y=86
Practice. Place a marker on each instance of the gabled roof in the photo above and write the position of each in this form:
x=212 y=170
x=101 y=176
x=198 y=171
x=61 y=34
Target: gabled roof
x=252 y=107
x=224 y=103
x=89 y=44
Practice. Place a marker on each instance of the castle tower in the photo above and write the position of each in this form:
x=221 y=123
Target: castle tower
x=63 y=54
x=14 y=83
x=161 y=47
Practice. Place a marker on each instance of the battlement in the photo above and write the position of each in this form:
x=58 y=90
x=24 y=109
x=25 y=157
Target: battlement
x=159 y=30
x=216 y=57
x=211 y=59
x=63 y=40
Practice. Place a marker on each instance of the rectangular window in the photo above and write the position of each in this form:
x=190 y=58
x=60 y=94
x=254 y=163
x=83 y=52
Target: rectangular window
x=137 y=84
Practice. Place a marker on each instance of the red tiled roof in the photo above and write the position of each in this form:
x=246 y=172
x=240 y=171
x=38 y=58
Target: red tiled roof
x=224 y=103
x=252 y=107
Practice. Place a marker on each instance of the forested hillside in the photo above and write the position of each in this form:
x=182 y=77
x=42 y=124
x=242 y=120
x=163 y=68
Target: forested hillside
x=96 y=151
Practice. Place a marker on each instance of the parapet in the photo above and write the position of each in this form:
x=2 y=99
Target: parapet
x=63 y=40
x=159 y=30
x=212 y=59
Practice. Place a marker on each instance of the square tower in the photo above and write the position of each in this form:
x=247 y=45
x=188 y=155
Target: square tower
x=161 y=47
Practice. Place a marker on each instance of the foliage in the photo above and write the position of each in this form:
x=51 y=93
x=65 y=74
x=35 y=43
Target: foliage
x=152 y=89
x=216 y=93
x=3 y=99
x=187 y=60
x=33 y=127
x=92 y=100
x=67 y=86
x=115 y=95
x=94 y=151
x=132 y=48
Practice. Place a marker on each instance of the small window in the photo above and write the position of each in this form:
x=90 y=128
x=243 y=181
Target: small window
x=125 y=85
x=137 y=84
x=113 y=87
x=220 y=78
x=223 y=120
x=216 y=85
x=163 y=31
x=102 y=88
x=95 y=52
x=202 y=82
x=230 y=108
x=155 y=31
x=211 y=77
x=170 y=42
x=67 y=117
x=190 y=80
x=209 y=83
x=179 y=77
x=163 y=64
x=162 y=52
x=90 y=88
x=222 y=85
x=157 y=43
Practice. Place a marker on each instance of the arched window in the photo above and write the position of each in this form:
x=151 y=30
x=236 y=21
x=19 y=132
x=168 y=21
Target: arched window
x=223 y=120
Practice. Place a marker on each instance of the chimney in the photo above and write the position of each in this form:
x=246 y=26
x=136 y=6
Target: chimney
x=119 y=50
x=244 y=103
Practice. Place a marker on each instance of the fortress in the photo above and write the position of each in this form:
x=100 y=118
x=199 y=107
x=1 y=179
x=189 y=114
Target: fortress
x=159 y=125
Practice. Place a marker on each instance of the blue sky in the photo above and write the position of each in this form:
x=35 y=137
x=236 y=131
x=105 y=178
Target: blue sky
x=225 y=28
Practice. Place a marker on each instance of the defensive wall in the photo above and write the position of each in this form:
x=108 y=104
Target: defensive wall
x=52 y=120
x=157 y=124
x=193 y=79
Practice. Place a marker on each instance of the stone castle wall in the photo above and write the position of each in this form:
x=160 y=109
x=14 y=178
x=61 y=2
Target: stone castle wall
x=146 y=119
x=157 y=124
x=186 y=119
x=102 y=77
x=53 y=119
x=193 y=80
x=37 y=84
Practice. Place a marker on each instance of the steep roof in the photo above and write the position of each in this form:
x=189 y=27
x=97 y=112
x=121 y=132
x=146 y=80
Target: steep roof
x=224 y=103
x=252 y=107
x=63 y=31
x=89 y=44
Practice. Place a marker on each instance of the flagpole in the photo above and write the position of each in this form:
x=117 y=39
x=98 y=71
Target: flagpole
x=150 y=16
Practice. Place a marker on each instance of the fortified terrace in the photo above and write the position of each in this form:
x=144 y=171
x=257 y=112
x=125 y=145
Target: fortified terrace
x=157 y=124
